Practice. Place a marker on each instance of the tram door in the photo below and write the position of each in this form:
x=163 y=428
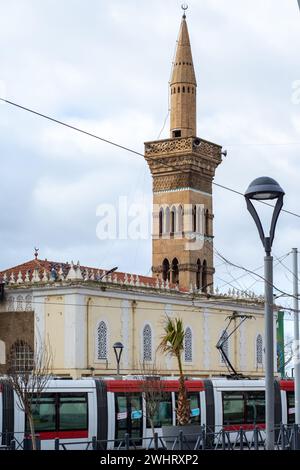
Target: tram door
x=129 y=417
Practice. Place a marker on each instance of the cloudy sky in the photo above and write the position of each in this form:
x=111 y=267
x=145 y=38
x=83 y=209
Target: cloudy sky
x=104 y=66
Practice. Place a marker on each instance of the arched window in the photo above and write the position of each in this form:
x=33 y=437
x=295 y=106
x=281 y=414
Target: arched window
x=188 y=89
x=224 y=337
x=200 y=220
x=175 y=271
x=204 y=276
x=198 y=274
x=147 y=343
x=178 y=89
x=28 y=303
x=167 y=221
x=194 y=221
x=102 y=341
x=19 y=303
x=206 y=222
x=166 y=270
x=21 y=357
x=188 y=345
x=160 y=223
x=174 y=90
x=173 y=221
x=183 y=89
x=259 y=350
x=180 y=219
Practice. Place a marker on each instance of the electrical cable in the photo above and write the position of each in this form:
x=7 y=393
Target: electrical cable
x=169 y=166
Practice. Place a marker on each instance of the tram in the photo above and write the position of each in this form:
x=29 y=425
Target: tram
x=77 y=410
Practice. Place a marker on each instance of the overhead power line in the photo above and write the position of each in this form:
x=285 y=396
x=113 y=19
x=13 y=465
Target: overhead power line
x=57 y=121
x=249 y=271
x=123 y=147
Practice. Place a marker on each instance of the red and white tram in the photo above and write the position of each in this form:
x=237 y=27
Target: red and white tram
x=76 y=410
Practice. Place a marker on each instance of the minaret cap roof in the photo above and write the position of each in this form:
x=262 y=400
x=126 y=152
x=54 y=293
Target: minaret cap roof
x=183 y=67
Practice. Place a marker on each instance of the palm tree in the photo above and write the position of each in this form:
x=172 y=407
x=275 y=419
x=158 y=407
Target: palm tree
x=172 y=343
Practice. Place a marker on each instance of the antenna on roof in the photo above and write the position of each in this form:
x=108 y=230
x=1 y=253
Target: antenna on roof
x=36 y=252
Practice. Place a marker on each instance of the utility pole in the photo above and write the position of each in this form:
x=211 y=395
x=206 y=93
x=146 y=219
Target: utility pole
x=296 y=335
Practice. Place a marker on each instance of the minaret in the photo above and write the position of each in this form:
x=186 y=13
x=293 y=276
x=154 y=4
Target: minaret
x=183 y=168
x=183 y=88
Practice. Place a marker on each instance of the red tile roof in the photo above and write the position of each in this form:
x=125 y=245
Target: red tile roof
x=42 y=266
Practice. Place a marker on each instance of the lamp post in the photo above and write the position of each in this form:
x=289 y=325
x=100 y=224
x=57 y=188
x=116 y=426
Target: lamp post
x=296 y=336
x=118 y=348
x=266 y=189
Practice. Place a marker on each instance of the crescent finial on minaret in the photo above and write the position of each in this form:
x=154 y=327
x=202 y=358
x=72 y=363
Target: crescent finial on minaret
x=184 y=7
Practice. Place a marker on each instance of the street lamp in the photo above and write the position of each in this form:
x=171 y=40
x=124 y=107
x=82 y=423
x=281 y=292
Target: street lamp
x=266 y=189
x=118 y=348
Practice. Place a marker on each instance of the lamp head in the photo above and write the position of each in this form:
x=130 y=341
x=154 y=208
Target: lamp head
x=264 y=189
x=118 y=346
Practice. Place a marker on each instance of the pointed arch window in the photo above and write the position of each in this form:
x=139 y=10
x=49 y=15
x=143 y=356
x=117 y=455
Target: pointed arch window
x=28 y=303
x=167 y=221
x=259 y=350
x=172 y=221
x=19 y=303
x=147 y=343
x=207 y=223
x=102 y=341
x=180 y=219
x=188 y=345
x=166 y=270
x=160 y=222
x=175 y=271
x=194 y=220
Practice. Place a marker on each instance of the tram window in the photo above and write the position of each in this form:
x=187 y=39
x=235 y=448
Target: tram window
x=233 y=408
x=44 y=414
x=290 y=396
x=194 y=407
x=121 y=415
x=135 y=407
x=255 y=407
x=194 y=402
x=129 y=416
x=60 y=412
x=73 y=412
x=163 y=416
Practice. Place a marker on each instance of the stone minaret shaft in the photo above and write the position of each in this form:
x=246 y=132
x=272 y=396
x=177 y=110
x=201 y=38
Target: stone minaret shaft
x=183 y=88
x=183 y=168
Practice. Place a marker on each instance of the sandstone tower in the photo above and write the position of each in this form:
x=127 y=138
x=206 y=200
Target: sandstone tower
x=183 y=168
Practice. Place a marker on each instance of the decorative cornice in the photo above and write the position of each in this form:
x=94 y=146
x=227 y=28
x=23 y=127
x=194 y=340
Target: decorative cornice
x=182 y=189
x=186 y=162
x=183 y=145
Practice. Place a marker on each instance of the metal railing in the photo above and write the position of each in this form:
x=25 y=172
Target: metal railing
x=287 y=437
